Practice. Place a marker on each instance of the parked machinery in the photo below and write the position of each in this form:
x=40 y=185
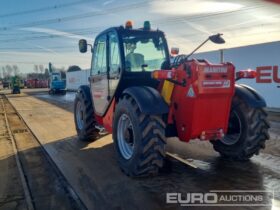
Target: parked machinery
x=139 y=97
x=37 y=83
x=57 y=84
x=16 y=84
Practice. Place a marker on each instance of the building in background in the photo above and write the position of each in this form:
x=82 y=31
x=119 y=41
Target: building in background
x=76 y=78
x=264 y=58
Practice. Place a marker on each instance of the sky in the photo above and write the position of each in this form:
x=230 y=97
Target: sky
x=40 y=31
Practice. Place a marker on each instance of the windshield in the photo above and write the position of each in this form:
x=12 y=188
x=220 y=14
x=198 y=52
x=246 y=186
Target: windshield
x=55 y=76
x=144 y=53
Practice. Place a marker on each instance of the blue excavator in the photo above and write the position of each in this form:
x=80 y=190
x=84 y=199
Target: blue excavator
x=57 y=84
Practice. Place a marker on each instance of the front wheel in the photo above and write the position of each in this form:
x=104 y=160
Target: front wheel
x=247 y=132
x=84 y=116
x=139 y=139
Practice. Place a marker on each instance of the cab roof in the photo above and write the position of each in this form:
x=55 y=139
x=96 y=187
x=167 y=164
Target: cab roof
x=123 y=31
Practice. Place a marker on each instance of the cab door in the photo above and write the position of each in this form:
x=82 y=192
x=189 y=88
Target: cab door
x=114 y=63
x=99 y=83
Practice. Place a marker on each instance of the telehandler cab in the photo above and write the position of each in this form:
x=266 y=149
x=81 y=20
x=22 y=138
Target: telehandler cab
x=142 y=98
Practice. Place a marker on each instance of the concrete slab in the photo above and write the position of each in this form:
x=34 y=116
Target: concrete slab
x=93 y=172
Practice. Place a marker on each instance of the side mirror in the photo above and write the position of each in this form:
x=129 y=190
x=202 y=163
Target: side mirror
x=217 y=39
x=83 y=45
x=174 y=51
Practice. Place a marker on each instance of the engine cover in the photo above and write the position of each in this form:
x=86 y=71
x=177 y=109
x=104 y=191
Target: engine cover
x=200 y=108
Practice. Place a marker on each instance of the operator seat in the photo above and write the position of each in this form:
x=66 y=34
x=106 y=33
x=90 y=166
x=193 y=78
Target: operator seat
x=135 y=60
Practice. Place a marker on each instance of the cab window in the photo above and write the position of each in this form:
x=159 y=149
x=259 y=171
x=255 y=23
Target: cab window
x=99 y=65
x=144 y=53
x=114 y=61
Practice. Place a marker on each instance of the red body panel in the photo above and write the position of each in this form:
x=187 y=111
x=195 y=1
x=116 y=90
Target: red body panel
x=107 y=120
x=201 y=108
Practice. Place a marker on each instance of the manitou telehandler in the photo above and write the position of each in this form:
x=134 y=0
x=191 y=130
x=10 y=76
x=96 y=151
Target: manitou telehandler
x=139 y=96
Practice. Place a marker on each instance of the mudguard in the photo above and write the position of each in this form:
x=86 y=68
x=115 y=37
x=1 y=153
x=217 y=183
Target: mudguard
x=149 y=100
x=250 y=96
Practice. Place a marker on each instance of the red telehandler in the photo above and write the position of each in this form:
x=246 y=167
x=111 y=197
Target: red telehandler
x=136 y=94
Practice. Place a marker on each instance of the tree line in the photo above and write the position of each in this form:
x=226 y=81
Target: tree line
x=9 y=70
x=39 y=72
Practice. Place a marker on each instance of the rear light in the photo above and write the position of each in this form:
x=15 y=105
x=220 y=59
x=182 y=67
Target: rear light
x=212 y=134
x=220 y=134
x=174 y=51
x=128 y=24
x=203 y=135
x=163 y=74
x=246 y=74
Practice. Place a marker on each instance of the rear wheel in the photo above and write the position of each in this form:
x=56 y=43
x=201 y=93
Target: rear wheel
x=247 y=132
x=84 y=116
x=139 y=139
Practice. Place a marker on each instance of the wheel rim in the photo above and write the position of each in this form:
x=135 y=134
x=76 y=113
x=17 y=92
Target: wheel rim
x=234 y=130
x=79 y=115
x=125 y=135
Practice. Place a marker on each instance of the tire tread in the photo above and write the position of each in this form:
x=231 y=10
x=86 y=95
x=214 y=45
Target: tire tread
x=152 y=148
x=257 y=134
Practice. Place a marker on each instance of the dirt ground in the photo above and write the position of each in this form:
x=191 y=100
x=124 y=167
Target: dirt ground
x=40 y=180
x=11 y=189
x=92 y=170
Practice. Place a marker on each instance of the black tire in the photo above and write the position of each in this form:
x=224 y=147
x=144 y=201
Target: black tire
x=86 y=131
x=148 y=133
x=16 y=91
x=251 y=137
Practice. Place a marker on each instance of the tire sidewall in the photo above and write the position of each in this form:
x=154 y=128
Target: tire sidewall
x=79 y=98
x=239 y=145
x=124 y=107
